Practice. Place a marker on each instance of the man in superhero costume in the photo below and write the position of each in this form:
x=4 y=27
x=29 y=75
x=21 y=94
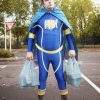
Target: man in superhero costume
x=49 y=27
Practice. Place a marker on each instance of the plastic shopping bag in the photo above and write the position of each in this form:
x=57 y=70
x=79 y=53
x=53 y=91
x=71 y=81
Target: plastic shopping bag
x=72 y=72
x=29 y=76
x=64 y=68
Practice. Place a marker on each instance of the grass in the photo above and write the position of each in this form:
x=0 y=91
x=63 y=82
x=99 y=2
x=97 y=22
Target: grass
x=6 y=54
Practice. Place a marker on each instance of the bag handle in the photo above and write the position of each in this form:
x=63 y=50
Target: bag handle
x=72 y=59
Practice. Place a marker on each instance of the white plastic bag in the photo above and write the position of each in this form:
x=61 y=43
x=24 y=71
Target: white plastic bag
x=29 y=76
x=72 y=72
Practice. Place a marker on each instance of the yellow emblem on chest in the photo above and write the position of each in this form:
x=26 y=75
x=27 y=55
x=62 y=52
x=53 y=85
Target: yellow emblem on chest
x=50 y=24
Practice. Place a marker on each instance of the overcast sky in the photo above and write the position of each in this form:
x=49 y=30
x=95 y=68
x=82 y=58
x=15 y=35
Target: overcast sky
x=96 y=1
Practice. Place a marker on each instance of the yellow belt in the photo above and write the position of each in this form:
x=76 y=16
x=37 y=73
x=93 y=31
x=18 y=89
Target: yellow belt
x=47 y=51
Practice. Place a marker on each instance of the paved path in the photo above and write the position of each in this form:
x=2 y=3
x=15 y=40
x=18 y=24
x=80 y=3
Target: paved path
x=88 y=90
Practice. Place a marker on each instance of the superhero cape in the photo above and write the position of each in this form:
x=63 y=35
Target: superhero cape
x=60 y=15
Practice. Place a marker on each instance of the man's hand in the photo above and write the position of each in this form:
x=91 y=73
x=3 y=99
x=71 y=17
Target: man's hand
x=71 y=53
x=29 y=56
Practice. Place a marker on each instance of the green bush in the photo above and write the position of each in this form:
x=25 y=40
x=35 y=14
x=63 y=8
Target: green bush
x=6 y=54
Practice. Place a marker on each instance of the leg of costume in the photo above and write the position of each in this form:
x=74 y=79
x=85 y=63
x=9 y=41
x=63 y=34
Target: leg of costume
x=44 y=60
x=58 y=69
x=43 y=74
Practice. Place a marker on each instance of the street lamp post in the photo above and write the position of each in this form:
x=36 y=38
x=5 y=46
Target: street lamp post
x=10 y=40
x=5 y=37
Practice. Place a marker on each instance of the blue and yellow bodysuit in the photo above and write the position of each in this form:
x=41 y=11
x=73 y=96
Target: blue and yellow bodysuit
x=49 y=32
